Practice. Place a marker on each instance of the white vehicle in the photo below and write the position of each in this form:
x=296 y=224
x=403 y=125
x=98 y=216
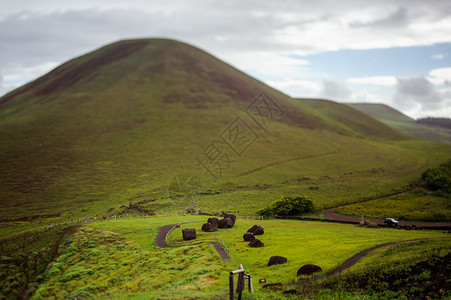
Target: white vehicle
x=391 y=221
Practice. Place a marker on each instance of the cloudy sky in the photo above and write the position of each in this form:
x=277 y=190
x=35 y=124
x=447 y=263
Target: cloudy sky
x=396 y=52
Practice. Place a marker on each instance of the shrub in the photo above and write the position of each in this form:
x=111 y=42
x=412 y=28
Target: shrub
x=288 y=206
x=439 y=178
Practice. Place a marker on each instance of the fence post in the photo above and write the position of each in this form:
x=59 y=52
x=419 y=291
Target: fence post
x=231 y=286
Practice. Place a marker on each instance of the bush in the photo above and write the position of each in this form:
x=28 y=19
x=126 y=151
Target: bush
x=439 y=178
x=288 y=206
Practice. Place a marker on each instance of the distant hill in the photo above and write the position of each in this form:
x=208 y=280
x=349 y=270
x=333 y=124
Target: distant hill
x=438 y=122
x=381 y=112
x=356 y=120
x=116 y=129
x=425 y=129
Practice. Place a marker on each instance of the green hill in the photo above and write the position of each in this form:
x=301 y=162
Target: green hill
x=403 y=123
x=124 y=127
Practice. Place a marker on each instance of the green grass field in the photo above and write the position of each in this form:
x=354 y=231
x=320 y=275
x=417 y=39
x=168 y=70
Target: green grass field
x=118 y=258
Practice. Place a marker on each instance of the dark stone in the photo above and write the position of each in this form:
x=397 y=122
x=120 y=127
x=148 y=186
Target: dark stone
x=256 y=230
x=189 y=234
x=225 y=223
x=277 y=260
x=213 y=220
x=274 y=286
x=231 y=217
x=209 y=227
x=290 y=292
x=256 y=243
x=248 y=236
x=308 y=270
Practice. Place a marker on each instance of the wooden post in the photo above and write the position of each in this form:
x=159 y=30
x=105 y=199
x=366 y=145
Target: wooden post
x=240 y=285
x=249 y=278
x=231 y=286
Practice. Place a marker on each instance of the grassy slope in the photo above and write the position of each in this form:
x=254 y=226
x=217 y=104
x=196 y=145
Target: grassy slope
x=416 y=205
x=404 y=123
x=137 y=113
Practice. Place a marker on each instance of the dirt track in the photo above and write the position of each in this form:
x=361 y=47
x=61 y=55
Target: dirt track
x=164 y=231
x=331 y=215
x=161 y=237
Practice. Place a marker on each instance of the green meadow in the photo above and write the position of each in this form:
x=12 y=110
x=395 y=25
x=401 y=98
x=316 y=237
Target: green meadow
x=118 y=258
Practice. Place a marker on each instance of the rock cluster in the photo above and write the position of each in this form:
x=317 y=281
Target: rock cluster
x=249 y=236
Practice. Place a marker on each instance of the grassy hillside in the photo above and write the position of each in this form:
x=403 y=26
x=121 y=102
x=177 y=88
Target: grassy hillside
x=403 y=123
x=111 y=131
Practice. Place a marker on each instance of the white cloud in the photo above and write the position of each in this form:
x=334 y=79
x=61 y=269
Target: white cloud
x=440 y=76
x=374 y=80
x=270 y=64
x=297 y=88
x=438 y=56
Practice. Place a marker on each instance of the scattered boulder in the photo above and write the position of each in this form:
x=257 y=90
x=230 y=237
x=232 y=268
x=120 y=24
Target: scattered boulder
x=256 y=243
x=209 y=227
x=248 y=236
x=225 y=223
x=213 y=220
x=256 y=230
x=189 y=234
x=308 y=269
x=274 y=286
x=277 y=260
x=231 y=217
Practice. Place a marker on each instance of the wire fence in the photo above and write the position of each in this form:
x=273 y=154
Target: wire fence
x=140 y=216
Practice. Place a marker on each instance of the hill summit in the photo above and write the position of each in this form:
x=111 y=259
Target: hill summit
x=118 y=125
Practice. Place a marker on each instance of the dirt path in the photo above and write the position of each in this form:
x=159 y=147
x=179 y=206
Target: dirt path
x=58 y=243
x=161 y=237
x=164 y=231
x=220 y=251
x=331 y=215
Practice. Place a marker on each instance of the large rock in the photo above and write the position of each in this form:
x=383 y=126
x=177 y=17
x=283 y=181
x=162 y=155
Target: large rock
x=256 y=230
x=213 y=220
x=189 y=234
x=231 y=217
x=277 y=260
x=308 y=270
x=225 y=223
x=248 y=236
x=256 y=243
x=209 y=227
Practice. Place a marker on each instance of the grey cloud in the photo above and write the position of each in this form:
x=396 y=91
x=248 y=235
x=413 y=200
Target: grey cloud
x=335 y=90
x=417 y=92
x=399 y=18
